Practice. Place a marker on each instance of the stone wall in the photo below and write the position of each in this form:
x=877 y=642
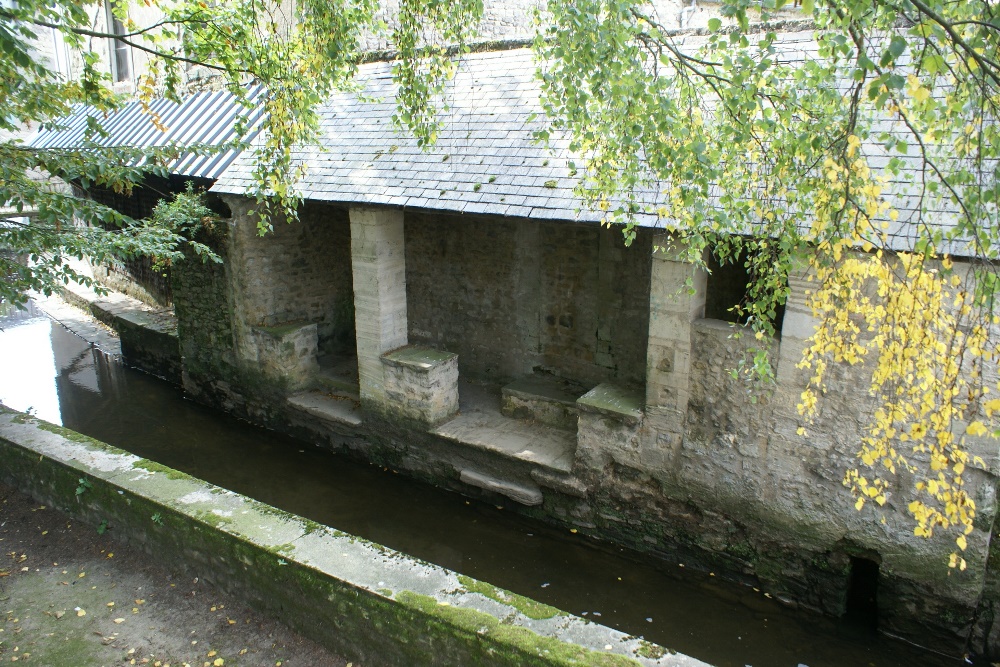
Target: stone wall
x=205 y=323
x=137 y=277
x=296 y=273
x=511 y=295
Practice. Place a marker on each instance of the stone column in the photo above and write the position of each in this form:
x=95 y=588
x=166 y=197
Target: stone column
x=797 y=326
x=379 y=266
x=676 y=298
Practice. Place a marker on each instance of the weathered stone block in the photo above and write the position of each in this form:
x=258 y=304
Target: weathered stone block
x=288 y=351
x=421 y=383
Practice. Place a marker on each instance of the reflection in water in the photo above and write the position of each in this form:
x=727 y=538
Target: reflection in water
x=723 y=624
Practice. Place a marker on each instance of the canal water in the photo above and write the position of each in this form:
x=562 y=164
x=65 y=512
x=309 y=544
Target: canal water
x=57 y=376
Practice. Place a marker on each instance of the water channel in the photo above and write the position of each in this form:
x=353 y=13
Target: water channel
x=62 y=379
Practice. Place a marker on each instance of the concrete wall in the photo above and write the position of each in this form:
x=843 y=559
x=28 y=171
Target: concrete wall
x=510 y=295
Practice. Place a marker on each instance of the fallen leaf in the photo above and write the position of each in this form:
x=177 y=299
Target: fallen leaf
x=119 y=620
x=81 y=612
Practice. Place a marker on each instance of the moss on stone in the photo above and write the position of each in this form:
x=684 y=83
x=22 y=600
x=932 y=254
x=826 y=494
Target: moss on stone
x=153 y=466
x=523 y=644
x=526 y=606
x=649 y=650
x=74 y=436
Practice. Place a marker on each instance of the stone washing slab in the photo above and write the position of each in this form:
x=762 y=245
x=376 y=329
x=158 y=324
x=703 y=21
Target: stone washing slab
x=532 y=443
x=360 y=599
x=547 y=400
x=418 y=357
x=335 y=407
x=613 y=401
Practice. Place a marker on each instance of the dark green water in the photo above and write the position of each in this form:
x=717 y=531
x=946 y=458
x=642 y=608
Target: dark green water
x=62 y=379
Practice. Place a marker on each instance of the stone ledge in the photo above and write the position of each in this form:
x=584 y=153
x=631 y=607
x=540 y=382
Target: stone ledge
x=526 y=495
x=613 y=401
x=360 y=599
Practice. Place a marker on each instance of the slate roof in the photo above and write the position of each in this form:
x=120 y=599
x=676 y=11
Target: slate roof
x=204 y=118
x=484 y=161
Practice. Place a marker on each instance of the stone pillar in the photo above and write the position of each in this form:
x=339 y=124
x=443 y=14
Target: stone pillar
x=676 y=298
x=797 y=326
x=379 y=266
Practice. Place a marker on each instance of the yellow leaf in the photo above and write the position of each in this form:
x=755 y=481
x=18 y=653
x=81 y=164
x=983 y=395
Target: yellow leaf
x=858 y=505
x=81 y=612
x=975 y=429
x=960 y=541
x=219 y=662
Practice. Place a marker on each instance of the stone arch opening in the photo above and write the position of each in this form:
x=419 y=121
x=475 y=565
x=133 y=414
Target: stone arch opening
x=862 y=592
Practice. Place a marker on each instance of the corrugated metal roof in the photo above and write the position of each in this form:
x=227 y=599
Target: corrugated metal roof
x=208 y=118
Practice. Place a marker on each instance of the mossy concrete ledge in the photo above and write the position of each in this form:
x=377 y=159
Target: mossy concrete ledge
x=360 y=599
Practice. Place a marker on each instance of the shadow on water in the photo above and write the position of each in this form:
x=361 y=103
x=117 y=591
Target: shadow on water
x=63 y=380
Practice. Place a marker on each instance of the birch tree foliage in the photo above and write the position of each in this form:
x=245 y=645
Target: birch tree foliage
x=299 y=51
x=865 y=156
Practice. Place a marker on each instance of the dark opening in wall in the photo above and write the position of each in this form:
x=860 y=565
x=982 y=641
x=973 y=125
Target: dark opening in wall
x=727 y=287
x=862 y=593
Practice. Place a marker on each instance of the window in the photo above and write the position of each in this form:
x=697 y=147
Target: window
x=121 y=53
x=727 y=287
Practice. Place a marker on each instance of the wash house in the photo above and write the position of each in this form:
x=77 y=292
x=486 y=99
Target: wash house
x=457 y=314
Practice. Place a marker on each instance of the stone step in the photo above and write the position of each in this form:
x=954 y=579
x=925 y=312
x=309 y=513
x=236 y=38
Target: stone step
x=522 y=493
x=339 y=408
x=547 y=400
